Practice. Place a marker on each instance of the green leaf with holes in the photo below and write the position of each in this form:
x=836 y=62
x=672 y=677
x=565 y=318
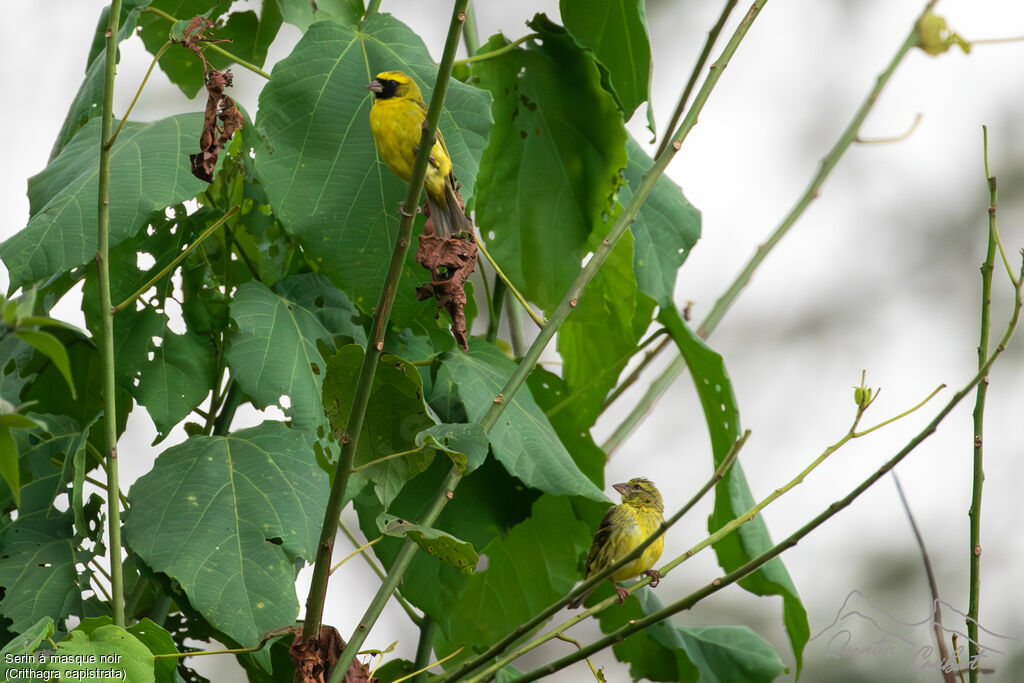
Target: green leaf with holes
x=149 y=171
x=732 y=494
x=435 y=542
x=227 y=517
x=275 y=353
x=466 y=444
x=394 y=416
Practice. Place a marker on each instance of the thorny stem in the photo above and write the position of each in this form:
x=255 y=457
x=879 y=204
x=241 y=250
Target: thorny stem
x=776 y=550
x=177 y=259
x=562 y=311
x=978 y=472
x=107 y=348
x=318 y=588
x=597 y=578
x=724 y=302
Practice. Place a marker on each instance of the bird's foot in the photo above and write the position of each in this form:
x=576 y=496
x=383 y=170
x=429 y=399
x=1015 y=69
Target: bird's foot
x=623 y=594
x=655 y=577
x=401 y=209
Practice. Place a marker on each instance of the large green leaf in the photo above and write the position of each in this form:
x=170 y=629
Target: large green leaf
x=465 y=444
x=23 y=644
x=550 y=172
x=275 y=353
x=249 y=37
x=664 y=231
x=149 y=171
x=320 y=166
x=732 y=494
x=394 y=416
x=670 y=652
x=601 y=335
x=523 y=439
x=536 y=563
x=616 y=30
x=226 y=517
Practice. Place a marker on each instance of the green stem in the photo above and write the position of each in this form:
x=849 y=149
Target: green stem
x=232 y=400
x=177 y=259
x=776 y=550
x=107 y=348
x=318 y=587
x=470 y=33
x=508 y=283
x=424 y=647
x=498 y=52
x=697 y=69
x=371 y=8
x=365 y=465
x=149 y=71
x=639 y=412
x=597 y=578
x=516 y=329
x=724 y=303
x=409 y=609
x=561 y=312
x=978 y=472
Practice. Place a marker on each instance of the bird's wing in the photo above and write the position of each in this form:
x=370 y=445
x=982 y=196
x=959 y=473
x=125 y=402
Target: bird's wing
x=601 y=539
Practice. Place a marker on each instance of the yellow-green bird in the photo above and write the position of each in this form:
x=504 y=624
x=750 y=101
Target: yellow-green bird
x=396 y=121
x=624 y=527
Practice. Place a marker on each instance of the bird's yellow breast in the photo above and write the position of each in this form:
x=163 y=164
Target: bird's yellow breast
x=397 y=125
x=643 y=523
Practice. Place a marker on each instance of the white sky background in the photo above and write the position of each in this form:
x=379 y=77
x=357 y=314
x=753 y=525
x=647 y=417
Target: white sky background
x=880 y=274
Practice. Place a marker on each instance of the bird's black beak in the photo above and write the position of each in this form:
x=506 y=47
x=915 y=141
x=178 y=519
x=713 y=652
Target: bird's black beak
x=375 y=86
x=621 y=488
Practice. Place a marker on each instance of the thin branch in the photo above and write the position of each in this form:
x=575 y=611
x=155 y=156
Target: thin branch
x=107 y=343
x=400 y=454
x=416 y=618
x=498 y=52
x=430 y=666
x=177 y=259
x=355 y=552
x=508 y=283
x=424 y=646
x=128 y=112
x=933 y=586
x=697 y=69
x=896 y=138
x=776 y=550
x=361 y=396
x=978 y=472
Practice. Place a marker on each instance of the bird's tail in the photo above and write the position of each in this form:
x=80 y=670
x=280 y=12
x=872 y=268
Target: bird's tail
x=578 y=602
x=449 y=220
